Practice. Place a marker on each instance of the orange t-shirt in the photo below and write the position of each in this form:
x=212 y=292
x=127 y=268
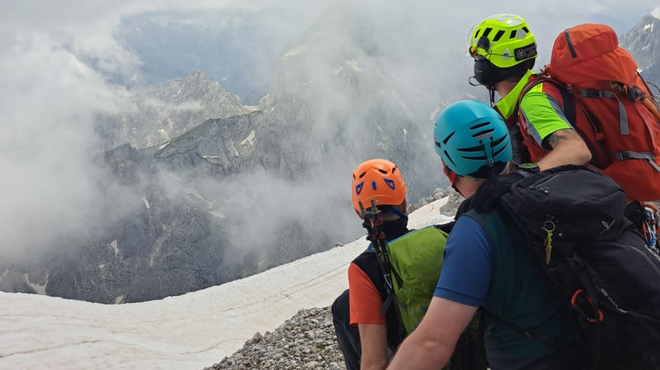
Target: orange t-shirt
x=363 y=297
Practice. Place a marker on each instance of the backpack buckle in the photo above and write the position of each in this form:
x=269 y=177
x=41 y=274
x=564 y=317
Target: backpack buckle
x=636 y=94
x=569 y=87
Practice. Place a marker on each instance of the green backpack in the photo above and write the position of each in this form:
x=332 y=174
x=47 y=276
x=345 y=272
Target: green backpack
x=411 y=267
x=415 y=262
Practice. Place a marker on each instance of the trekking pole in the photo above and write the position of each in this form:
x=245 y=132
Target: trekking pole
x=374 y=224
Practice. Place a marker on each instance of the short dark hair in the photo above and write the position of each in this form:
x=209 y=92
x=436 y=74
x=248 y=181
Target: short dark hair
x=515 y=73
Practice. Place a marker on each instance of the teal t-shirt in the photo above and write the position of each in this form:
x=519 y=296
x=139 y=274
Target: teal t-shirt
x=483 y=268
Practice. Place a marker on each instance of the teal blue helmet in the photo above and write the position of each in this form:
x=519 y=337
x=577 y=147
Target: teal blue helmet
x=473 y=140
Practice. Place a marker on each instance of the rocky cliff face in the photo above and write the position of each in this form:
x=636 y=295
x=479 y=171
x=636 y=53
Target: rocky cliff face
x=643 y=42
x=165 y=111
x=169 y=244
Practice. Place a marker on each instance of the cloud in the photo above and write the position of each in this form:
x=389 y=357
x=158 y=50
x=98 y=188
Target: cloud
x=49 y=184
x=56 y=59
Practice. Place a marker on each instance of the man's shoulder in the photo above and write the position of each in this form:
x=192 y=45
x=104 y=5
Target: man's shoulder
x=366 y=256
x=540 y=87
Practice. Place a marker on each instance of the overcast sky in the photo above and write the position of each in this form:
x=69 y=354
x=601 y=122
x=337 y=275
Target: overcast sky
x=49 y=95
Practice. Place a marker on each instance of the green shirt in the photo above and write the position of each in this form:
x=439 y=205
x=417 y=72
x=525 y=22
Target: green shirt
x=541 y=108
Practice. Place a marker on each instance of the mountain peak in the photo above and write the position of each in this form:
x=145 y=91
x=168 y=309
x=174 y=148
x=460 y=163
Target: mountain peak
x=197 y=73
x=643 y=42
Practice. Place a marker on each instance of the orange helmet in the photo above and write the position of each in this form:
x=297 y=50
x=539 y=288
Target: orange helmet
x=379 y=179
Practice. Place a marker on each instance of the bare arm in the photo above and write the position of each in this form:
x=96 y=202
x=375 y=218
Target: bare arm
x=567 y=148
x=431 y=345
x=373 y=338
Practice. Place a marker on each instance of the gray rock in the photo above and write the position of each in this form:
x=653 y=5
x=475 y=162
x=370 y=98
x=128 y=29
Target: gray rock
x=284 y=349
x=165 y=111
x=450 y=208
x=643 y=42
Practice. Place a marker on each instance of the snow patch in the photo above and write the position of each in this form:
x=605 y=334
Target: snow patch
x=194 y=193
x=212 y=159
x=656 y=12
x=146 y=202
x=164 y=145
x=190 y=331
x=355 y=64
x=295 y=51
x=102 y=266
x=337 y=70
x=119 y=299
x=640 y=70
x=113 y=245
x=40 y=289
x=217 y=214
x=249 y=138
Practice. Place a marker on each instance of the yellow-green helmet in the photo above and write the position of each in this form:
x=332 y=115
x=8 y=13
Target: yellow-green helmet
x=502 y=39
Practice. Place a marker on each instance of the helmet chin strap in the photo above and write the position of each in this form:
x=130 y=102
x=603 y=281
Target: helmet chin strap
x=491 y=92
x=472 y=80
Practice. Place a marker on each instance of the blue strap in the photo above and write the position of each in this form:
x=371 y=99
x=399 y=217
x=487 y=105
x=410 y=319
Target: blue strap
x=397 y=212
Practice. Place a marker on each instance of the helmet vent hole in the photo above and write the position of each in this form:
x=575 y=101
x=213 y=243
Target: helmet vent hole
x=362 y=175
x=479 y=125
x=499 y=141
x=497 y=152
x=448 y=137
x=484 y=132
x=525 y=29
x=449 y=157
x=512 y=35
x=382 y=171
x=498 y=35
x=487 y=32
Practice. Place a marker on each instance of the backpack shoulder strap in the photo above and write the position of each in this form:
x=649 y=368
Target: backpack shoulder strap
x=569 y=104
x=446 y=227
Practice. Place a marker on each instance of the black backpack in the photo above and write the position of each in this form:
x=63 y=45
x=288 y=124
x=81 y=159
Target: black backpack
x=598 y=263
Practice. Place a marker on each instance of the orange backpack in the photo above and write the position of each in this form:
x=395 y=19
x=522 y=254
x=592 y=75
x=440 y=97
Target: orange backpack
x=622 y=121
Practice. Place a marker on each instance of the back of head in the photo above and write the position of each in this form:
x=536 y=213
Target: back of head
x=379 y=179
x=473 y=140
x=503 y=47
